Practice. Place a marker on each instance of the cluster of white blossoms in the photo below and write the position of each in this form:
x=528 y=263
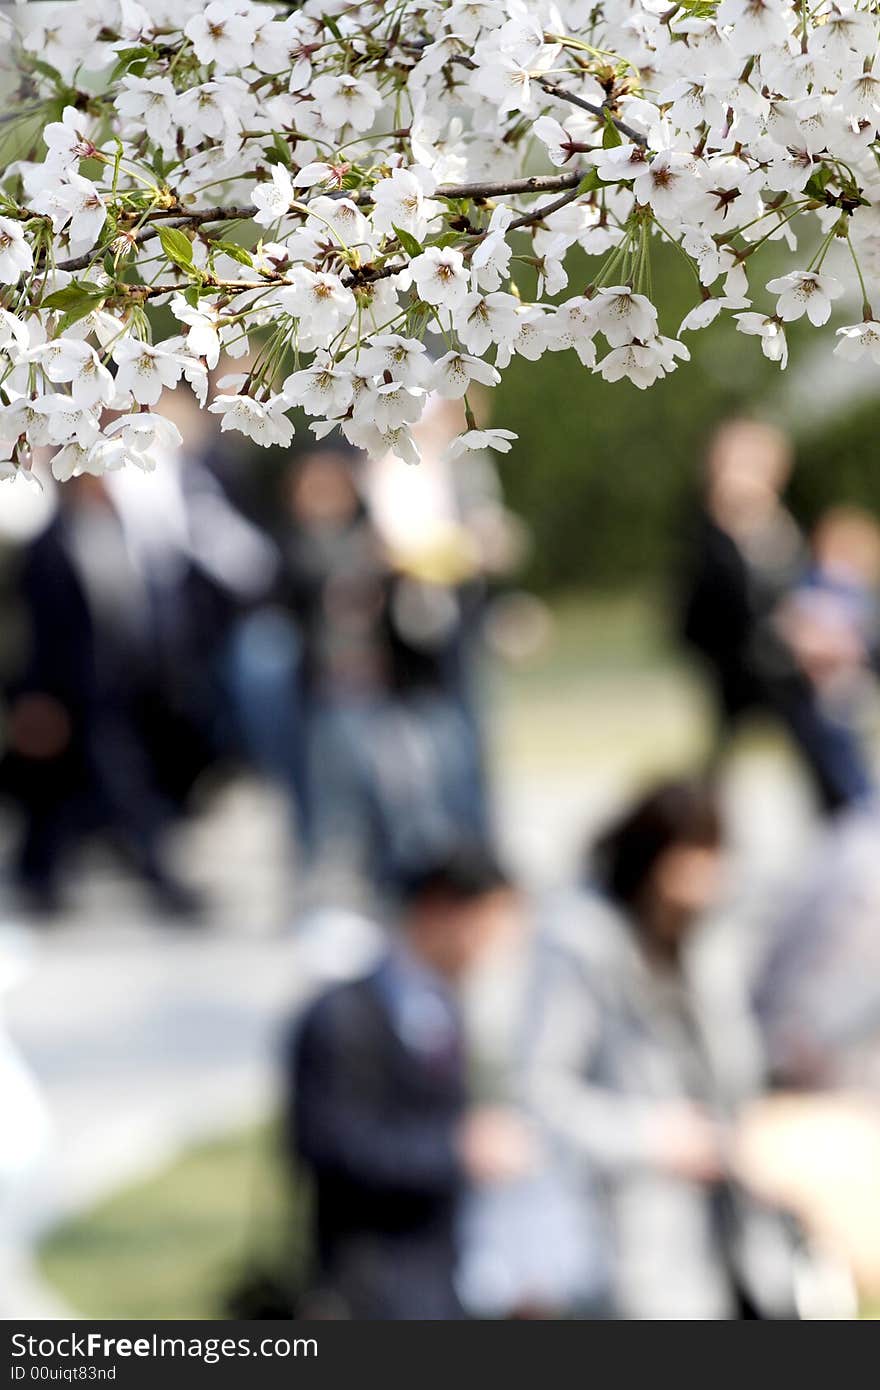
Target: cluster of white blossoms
x=370 y=202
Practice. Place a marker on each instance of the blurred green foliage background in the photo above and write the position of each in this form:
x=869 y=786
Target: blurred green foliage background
x=603 y=473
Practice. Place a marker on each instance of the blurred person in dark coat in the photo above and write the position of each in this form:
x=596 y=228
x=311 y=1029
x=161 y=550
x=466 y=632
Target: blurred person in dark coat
x=642 y=1056
x=128 y=596
x=379 y=1111
x=79 y=756
x=747 y=556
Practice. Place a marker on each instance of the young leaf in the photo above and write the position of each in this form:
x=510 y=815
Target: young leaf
x=132 y=60
x=74 y=315
x=411 y=245
x=611 y=136
x=46 y=69
x=72 y=296
x=282 y=149
x=590 y=182
x=230 y=248
x=177 y=247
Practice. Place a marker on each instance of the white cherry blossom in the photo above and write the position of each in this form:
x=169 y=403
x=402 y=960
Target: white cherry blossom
x=498 y=439
x=774 y=344
x=264 y=422
x=272 y=200
x=439 y=276
x=321 y=389
x=145 y=370
x=859 y=340
x=16 y=256
x=346 y=100
x=805 y=292
x=438 y=175
x=221 y=34
x=623 y=315
x=402 y=200
x=455 y=371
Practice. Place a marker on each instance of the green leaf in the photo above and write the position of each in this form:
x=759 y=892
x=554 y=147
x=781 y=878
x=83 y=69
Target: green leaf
x=611 y=135
x=590 y=183
x=411 y=245
x=74 y=315
x=231 y=248
x=177 y=247
x=282 y=149
x=330 y=23
x=132 y=60
x=818 y=182
x=46 y=69
x=77 y=293
x=191 y=295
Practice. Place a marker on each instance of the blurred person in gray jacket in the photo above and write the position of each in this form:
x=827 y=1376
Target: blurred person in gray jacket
x=641 y=1059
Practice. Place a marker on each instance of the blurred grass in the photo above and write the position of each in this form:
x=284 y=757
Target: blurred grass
x=581 y=700
x=175 y=1245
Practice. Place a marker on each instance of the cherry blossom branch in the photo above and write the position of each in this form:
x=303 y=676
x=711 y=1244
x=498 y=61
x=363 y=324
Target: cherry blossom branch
x=538 y=183
x=174 y=217
x=603 y=112
x=178 y=217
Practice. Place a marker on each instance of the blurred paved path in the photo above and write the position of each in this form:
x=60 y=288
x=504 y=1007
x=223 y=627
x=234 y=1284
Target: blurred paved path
x=146 y=1039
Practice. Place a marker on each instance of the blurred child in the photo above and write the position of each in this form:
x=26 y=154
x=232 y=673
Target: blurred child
x=832 y=618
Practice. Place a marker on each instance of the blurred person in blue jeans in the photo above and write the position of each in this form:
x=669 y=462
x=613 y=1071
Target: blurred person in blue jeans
x=641 y=1058
x=355 y=714
x=379 y=1111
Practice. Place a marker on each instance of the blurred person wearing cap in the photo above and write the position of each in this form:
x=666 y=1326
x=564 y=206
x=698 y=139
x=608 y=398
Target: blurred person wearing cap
x=747 y=557
x=379 y=1110
x=642 y=1055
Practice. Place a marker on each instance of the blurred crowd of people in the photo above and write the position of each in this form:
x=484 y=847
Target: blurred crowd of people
x=165 y=634
x=569 y=1107
x=528 y=1105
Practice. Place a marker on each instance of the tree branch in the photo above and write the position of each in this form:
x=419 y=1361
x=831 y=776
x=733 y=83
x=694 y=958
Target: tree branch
x=177 y=217
x=538 y=214
x=601 y=111
x=562 y=95
x=538 y=183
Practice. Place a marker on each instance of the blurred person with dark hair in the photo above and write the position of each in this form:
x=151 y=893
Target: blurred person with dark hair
x=748 y=555
x=641 y=1059
x=379 y=1111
